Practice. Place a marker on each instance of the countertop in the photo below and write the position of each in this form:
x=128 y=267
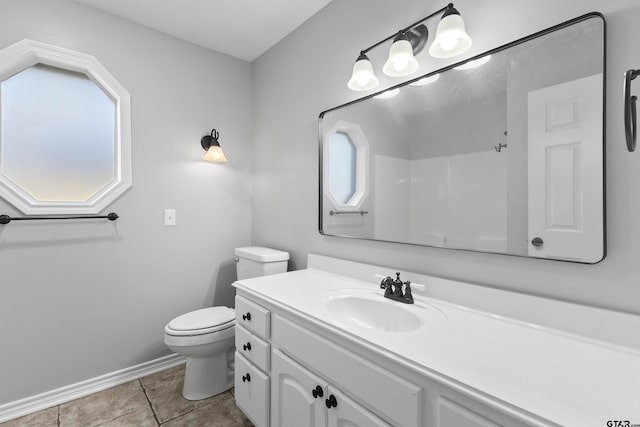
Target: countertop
x=561 y=377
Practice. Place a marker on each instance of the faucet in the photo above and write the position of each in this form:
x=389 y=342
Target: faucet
x=393 y=289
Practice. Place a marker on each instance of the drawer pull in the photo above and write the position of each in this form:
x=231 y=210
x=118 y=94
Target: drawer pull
x=246 y=378
x=317 y=392
x=247 y=347
x=331 y=402
x=246 y=316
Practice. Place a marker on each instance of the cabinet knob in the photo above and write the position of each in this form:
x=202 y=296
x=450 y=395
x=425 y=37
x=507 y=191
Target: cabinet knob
x=331 y=402
x=317 y=392
x=246 y=316
x=537 y=242
x=246 y=378
x=247 y=347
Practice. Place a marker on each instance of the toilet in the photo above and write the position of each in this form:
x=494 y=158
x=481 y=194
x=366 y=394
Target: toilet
x=206 y=336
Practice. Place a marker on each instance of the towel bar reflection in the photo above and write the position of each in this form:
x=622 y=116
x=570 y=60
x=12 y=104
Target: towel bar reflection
x=361 y=213
x=6 y=219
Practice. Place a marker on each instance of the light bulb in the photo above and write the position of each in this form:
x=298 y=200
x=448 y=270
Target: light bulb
x=400 y=64
x=448 y=43
x=401 y=61
x=362 y=79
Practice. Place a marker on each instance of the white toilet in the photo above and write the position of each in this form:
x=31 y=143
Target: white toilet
x=206 y=336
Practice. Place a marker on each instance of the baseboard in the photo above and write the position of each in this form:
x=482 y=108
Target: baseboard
x=29 y=405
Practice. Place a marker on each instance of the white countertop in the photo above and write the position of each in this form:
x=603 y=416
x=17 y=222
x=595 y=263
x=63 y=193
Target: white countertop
x=561 y=377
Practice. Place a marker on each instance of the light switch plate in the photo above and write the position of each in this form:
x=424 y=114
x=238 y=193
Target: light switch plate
x=169 y=217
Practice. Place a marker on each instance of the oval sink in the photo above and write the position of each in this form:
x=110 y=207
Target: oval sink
x=372 y=313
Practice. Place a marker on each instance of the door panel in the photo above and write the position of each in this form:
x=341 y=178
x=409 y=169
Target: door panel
x=565 y=171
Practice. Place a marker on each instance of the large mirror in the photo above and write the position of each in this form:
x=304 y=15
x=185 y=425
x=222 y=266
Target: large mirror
x=502 y=153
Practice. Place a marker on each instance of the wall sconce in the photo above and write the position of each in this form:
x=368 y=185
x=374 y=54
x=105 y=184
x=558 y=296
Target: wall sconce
x=451 y=40
x=212 y=146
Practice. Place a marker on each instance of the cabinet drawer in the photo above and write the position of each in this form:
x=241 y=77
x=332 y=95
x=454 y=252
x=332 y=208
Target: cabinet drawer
x=252 y=316
x=389 y=396
x=253 y=348
x=252 y=394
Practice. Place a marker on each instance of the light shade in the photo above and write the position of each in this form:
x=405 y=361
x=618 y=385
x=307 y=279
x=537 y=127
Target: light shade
x=362 y=77
x=401 y=61
x=214 y=151
x=451 y=38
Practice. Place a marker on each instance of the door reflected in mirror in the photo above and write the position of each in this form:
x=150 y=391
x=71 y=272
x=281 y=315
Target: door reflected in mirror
x=502 y=154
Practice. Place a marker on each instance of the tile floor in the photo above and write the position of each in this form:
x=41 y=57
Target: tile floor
x=155 y=400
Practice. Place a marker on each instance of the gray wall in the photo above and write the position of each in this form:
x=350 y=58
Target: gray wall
x=319 y=56
x=81 y=299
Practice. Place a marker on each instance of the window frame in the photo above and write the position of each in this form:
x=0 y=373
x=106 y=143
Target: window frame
x=27 y=53
x=359 y=140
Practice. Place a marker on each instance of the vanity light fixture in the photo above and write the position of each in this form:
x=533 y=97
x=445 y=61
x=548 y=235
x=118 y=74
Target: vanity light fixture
x=451 y=40
x=212 y=146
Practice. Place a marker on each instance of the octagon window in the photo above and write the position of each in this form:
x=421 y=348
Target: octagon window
x=342 y=167
x=346 y=165
x=64 y=131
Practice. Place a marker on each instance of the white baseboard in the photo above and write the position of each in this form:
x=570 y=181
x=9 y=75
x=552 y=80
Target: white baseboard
x=29 y=405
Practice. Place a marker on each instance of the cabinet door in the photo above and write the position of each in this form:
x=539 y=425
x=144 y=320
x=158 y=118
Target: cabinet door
x=349 y=413
x=296 y=400
x=252 y=391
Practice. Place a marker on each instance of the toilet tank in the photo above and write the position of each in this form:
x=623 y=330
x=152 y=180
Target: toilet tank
x=254 y=261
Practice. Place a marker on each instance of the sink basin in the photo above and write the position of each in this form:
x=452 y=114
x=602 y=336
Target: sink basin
x=371 y=312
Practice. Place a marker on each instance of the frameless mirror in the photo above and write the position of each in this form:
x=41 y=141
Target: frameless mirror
x=503 y=153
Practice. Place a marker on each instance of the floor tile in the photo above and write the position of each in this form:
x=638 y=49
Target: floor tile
x=164 y=391
x=221 y=412
x=45 y=418
x=103 y=406
x=172 y=374
x=142 y=417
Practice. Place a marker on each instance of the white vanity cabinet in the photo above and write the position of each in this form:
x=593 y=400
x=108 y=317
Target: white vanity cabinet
x=252 y=360
x=389 y=396
x=304 y=376
x=476 y=357
x=301 y=398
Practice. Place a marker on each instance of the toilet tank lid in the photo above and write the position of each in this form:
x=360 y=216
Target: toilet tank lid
x=203 y=318
x=258 y=253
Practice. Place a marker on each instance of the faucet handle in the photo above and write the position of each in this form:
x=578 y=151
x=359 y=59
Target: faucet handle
x=407 y=292
x=386 y=282
x=387 y=285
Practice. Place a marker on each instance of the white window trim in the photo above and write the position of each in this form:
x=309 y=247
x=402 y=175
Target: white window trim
x=357 y=137
x=26 y=53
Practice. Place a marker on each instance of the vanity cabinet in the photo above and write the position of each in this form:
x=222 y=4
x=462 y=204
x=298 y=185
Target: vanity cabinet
x=252 y=391
x=289 y=372
x=301 y=398
x=252 y=360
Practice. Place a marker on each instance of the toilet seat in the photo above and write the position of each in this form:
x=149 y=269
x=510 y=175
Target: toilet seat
x=201 y=322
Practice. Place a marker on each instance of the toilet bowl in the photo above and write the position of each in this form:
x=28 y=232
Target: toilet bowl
x=207 y=336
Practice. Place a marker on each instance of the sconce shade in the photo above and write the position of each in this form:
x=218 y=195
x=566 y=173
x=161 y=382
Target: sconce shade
x=362 y=77
x=212 y=146
x=451 y=38
x=214 y=154
x=401 y=61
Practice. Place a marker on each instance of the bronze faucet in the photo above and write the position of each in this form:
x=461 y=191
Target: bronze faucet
x=393 y=289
